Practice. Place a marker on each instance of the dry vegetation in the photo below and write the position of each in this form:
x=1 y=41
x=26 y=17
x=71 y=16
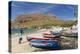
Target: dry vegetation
x=39 y=20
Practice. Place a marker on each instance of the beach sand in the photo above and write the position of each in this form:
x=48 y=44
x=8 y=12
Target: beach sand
x=25 y=47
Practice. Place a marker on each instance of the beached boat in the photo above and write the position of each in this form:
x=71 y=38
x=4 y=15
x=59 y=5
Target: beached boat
x=52 y=44
x=71 y=34
x=37 y=38
x=44 y=41
x=55 y=33
x=52 y=41
x=52 y=35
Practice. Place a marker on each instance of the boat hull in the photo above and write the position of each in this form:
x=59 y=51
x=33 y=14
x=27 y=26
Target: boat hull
x=46 y=38
x=50 y=44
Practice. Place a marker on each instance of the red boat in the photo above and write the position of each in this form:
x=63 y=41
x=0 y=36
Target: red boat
x=44 y=43
x=46 y=35
x=37 y=38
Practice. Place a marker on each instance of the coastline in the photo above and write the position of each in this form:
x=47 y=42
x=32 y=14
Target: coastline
x=25 y=47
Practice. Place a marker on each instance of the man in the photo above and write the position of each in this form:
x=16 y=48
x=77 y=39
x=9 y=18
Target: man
x=20 y=39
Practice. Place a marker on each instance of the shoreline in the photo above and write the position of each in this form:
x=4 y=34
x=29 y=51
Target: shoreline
x=25 y=47
x=16 y=47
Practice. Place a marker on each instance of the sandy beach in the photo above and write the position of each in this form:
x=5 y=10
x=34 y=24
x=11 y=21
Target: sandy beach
x=67 y=43
x=24 y=47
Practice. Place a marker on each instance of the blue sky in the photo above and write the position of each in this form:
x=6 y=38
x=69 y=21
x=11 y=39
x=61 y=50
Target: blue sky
x=62 y=11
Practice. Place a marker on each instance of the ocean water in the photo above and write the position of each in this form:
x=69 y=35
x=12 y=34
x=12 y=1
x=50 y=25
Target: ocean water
x=13 y=31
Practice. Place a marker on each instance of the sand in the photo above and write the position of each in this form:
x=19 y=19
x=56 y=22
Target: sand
x=24 y=46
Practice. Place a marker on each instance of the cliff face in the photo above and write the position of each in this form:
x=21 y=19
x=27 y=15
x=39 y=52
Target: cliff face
x=35 y=20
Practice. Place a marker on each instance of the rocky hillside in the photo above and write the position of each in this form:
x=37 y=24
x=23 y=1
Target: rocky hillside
x=35 y=20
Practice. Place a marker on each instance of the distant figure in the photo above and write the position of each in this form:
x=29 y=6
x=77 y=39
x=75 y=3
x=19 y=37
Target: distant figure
x=71 y=28
x=62 y=30
x=20 y=39
x=51 y=32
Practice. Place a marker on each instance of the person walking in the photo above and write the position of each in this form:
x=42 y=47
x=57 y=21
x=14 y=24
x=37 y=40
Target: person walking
x=20 y=39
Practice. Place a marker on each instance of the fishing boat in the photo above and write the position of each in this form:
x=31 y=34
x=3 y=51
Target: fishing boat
x=40 y=41
x=52 y=35
x=37 y=38
x=50 y=44
x=43 y=43
x=55 y=32
x=71 y=33
x=50 y=41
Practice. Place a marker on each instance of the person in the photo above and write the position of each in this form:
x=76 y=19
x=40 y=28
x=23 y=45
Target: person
x=20 y=39
x=51 y=32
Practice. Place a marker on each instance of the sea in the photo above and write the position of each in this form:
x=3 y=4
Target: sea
x=15 y=31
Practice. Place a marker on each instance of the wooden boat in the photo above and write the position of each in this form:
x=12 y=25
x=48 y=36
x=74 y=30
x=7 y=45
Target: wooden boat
x=37 y=38
x=49 y=41
x=53 y=44
x=71 y=34
x=44 y=41
x=55 y=33
x=46 y=35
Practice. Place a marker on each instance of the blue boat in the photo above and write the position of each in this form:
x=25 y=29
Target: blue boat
x=55 y=33
x=50 y=44
x=44 y=41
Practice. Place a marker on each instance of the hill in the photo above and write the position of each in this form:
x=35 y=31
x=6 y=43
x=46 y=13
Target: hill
x=37 y=20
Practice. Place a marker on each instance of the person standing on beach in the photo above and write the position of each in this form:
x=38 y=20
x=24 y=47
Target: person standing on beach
x=20 y=39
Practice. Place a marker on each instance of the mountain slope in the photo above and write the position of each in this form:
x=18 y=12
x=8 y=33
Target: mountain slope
x=36 y=20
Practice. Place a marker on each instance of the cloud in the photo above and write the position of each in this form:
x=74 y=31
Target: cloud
x=41 y=9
